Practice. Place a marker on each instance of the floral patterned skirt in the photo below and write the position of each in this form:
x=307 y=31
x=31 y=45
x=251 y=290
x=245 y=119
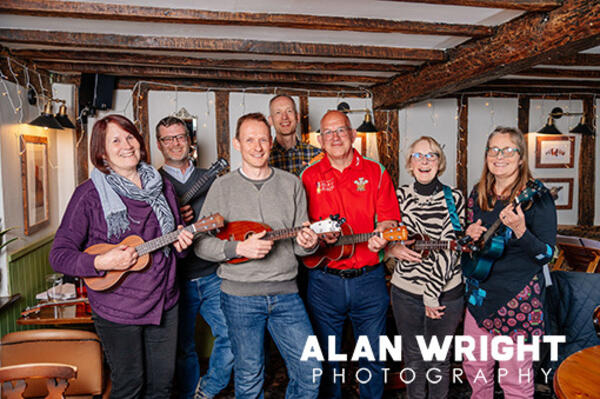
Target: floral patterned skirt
x=522 y=315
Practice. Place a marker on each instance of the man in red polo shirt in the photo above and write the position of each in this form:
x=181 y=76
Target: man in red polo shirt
x=361 y=191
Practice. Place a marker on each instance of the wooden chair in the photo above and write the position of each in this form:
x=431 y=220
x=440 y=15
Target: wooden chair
x=577 y=258
x=57 y=376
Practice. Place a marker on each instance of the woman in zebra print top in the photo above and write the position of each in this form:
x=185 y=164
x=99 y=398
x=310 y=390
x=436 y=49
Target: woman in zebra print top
x=427 y=292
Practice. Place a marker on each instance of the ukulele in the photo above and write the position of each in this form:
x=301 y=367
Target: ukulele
x=344 y=246
x=144 y=249
x=478 y=264
x=241 y=230
x=202 y=184
x=424 y=245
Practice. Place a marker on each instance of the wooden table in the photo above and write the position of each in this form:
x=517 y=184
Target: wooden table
x=579 y=375
x=58 y=315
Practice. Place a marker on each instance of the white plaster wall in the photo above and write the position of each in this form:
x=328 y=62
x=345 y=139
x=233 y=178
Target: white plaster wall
x=485 y=114
x=65 y=148
x=435 y=118
x=200 y=104
x=538 y=114
x=122 y=105
x=12 y=125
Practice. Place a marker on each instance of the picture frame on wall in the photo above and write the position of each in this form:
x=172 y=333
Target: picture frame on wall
x=565 y=195
x=554 y=151
x=34 y=178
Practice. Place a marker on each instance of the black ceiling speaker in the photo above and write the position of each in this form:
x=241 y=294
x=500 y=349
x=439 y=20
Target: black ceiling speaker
x=96 y=91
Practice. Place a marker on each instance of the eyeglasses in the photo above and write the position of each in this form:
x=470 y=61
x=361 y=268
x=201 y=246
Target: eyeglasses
x=168 y=140
x=340 y=131
x=507 y=152
x=429 y=157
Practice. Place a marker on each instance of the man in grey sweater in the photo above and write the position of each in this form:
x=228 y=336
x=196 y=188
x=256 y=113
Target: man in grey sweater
x=262 y=292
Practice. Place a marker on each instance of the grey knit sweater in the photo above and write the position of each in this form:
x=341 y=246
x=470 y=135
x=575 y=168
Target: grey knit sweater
x=280 y=203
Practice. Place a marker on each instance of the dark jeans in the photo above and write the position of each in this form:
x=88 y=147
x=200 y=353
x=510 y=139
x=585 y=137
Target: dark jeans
x=141 y=357
x=365 y=300
x=409 y=313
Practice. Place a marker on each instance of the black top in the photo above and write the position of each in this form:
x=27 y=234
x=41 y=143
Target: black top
x=522 y=259
x=191 y=267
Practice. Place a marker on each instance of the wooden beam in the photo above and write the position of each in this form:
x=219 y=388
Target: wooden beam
x=560 y=73
x=541 y=83
x=128 y=82
x=587 y=168
x=217 y=74
x=137 y=42
x=523 y=107
x=533 y=37
x=577 y=59
x=388 y=140
x=119 y=58
x=526 y=5
x=304 y=128
x=558 y=92
x=122 y=12
x=17 y=70
x=140 y=116
x=462 y=141
x=222 y=125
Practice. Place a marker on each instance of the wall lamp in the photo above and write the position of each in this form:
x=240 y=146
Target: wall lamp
x=558 y=113
x=48 y=120
x=367 y=126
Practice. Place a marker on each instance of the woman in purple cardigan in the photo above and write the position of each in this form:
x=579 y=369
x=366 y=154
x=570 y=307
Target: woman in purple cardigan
x=137 y=319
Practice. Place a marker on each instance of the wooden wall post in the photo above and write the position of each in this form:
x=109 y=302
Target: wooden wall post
x=388 y=142
x=587 y=167
x=140 y=115
x=462 y=135
x=304 y=129
x=222 y=116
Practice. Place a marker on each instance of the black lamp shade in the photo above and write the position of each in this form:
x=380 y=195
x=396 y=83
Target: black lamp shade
x=549 y=128
x=63 y=119
x=367 y=126
x=582 y=128
x=47 y=119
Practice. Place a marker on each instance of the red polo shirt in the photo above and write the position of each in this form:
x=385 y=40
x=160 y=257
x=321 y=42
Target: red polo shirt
x=362 y=194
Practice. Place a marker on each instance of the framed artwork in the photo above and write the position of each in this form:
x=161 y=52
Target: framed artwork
x=34 y=177
x=565 y=195
x=554 y=151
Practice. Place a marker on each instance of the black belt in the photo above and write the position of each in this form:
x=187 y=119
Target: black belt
x=350 y=273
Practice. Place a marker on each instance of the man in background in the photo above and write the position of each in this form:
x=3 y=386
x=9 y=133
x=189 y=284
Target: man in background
x=288 y=153
x=199 y=283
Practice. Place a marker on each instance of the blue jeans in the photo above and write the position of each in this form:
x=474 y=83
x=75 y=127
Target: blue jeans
x=365 y=300
x=286 y=319
x=202 y=295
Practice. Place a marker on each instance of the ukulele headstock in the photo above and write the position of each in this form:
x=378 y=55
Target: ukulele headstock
x=333 y=224
x=532 y=191
x=212 y=222
x=399 y=233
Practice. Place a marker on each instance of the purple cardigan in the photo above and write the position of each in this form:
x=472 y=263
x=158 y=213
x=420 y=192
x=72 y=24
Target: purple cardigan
x=141 y=297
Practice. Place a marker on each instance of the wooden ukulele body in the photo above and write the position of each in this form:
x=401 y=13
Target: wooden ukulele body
x=240 y=231
x=327 y=253
x=112 y=277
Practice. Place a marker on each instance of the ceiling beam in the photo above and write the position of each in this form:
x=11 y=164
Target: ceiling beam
x=560 y=73
x=173 y=72
x=578 y=59
x=517 y=45
x=166 y=60
x=541 y=83
x=167 y=84
x=525 y=5
x=122 y=12
x=137 y=42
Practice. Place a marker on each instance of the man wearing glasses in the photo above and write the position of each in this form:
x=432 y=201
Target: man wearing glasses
x=199 y=283
x=361 y=191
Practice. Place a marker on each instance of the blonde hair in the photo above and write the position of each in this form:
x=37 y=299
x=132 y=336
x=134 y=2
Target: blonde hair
x=486 y=198
x=435 y=146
